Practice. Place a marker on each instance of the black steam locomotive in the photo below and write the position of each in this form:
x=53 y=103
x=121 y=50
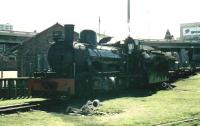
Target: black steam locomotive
x=86 y=66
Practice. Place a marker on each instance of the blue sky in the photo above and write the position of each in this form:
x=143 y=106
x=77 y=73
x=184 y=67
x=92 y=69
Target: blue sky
x=149 y=18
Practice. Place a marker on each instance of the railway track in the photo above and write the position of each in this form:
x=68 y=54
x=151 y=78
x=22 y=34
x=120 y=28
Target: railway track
x=179 y=122
x=9 y=109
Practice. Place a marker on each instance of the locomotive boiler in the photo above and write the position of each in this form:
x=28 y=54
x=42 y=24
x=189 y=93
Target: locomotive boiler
x=68 y=58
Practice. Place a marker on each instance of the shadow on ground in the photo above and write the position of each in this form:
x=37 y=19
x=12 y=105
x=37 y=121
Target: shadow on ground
x=59 y=105
x=58 y=108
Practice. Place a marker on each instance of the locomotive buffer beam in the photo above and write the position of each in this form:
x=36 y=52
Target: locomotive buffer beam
x=117 y=74
x=113 y=73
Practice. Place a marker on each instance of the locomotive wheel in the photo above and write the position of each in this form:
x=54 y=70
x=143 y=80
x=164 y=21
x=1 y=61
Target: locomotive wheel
x=121 y=83
x=83 y=85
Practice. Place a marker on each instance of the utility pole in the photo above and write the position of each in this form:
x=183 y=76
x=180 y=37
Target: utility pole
x=99 y=28
x=2 y=63
x=128 y=16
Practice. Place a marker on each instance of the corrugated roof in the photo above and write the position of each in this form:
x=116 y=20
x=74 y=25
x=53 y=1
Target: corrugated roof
x=18 y=33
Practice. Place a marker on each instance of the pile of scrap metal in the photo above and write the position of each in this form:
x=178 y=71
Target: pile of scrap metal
x=167 y=86
x=90 y=108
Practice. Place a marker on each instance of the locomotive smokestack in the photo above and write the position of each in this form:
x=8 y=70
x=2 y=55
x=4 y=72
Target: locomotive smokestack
x=69 y=34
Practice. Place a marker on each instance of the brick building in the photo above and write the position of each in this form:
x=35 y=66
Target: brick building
x=32 y=54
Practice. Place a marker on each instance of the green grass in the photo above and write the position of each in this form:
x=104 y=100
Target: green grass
x=138 y=107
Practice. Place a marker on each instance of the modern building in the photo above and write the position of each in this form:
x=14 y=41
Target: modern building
x=6 y=27
x=190 y=31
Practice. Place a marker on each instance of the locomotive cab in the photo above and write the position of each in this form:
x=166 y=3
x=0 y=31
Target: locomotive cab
x=148 y=65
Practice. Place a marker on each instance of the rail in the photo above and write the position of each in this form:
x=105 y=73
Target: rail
x=9 y=109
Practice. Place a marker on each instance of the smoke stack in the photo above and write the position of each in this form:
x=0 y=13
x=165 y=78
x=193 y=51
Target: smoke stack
x=69 y=34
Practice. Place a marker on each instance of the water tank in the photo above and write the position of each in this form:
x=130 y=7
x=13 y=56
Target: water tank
x=88 y=37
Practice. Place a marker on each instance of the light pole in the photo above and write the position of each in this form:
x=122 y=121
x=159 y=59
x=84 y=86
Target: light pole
x=128 y=16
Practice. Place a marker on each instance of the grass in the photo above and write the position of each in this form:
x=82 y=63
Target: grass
x=136 y=107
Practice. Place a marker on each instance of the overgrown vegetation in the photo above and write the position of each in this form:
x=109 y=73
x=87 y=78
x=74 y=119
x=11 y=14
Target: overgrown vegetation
x=136 y=107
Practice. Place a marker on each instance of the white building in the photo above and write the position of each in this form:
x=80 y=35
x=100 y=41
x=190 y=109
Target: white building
x=6 y=27
x=190 y=31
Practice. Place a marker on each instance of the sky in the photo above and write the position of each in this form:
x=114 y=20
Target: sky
x=149 y=18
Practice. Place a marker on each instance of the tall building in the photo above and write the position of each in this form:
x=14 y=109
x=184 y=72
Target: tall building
x=6 y=27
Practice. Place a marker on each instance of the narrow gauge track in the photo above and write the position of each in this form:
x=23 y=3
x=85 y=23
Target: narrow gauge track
x=9 y=109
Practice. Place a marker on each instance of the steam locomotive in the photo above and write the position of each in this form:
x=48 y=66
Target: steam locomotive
x=85 y=67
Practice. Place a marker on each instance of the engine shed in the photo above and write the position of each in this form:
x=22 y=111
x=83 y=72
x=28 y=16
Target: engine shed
x=32 y=53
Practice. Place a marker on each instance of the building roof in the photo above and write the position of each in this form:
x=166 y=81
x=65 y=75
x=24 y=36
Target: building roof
x=14 y=37
x=190 y=24
x=39 y=34
x=171 y=45
x=18 y=33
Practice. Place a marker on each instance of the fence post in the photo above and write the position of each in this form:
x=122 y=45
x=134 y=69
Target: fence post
x=1 y=87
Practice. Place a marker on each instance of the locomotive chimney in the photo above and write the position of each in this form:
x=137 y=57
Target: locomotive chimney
x=69 y=34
